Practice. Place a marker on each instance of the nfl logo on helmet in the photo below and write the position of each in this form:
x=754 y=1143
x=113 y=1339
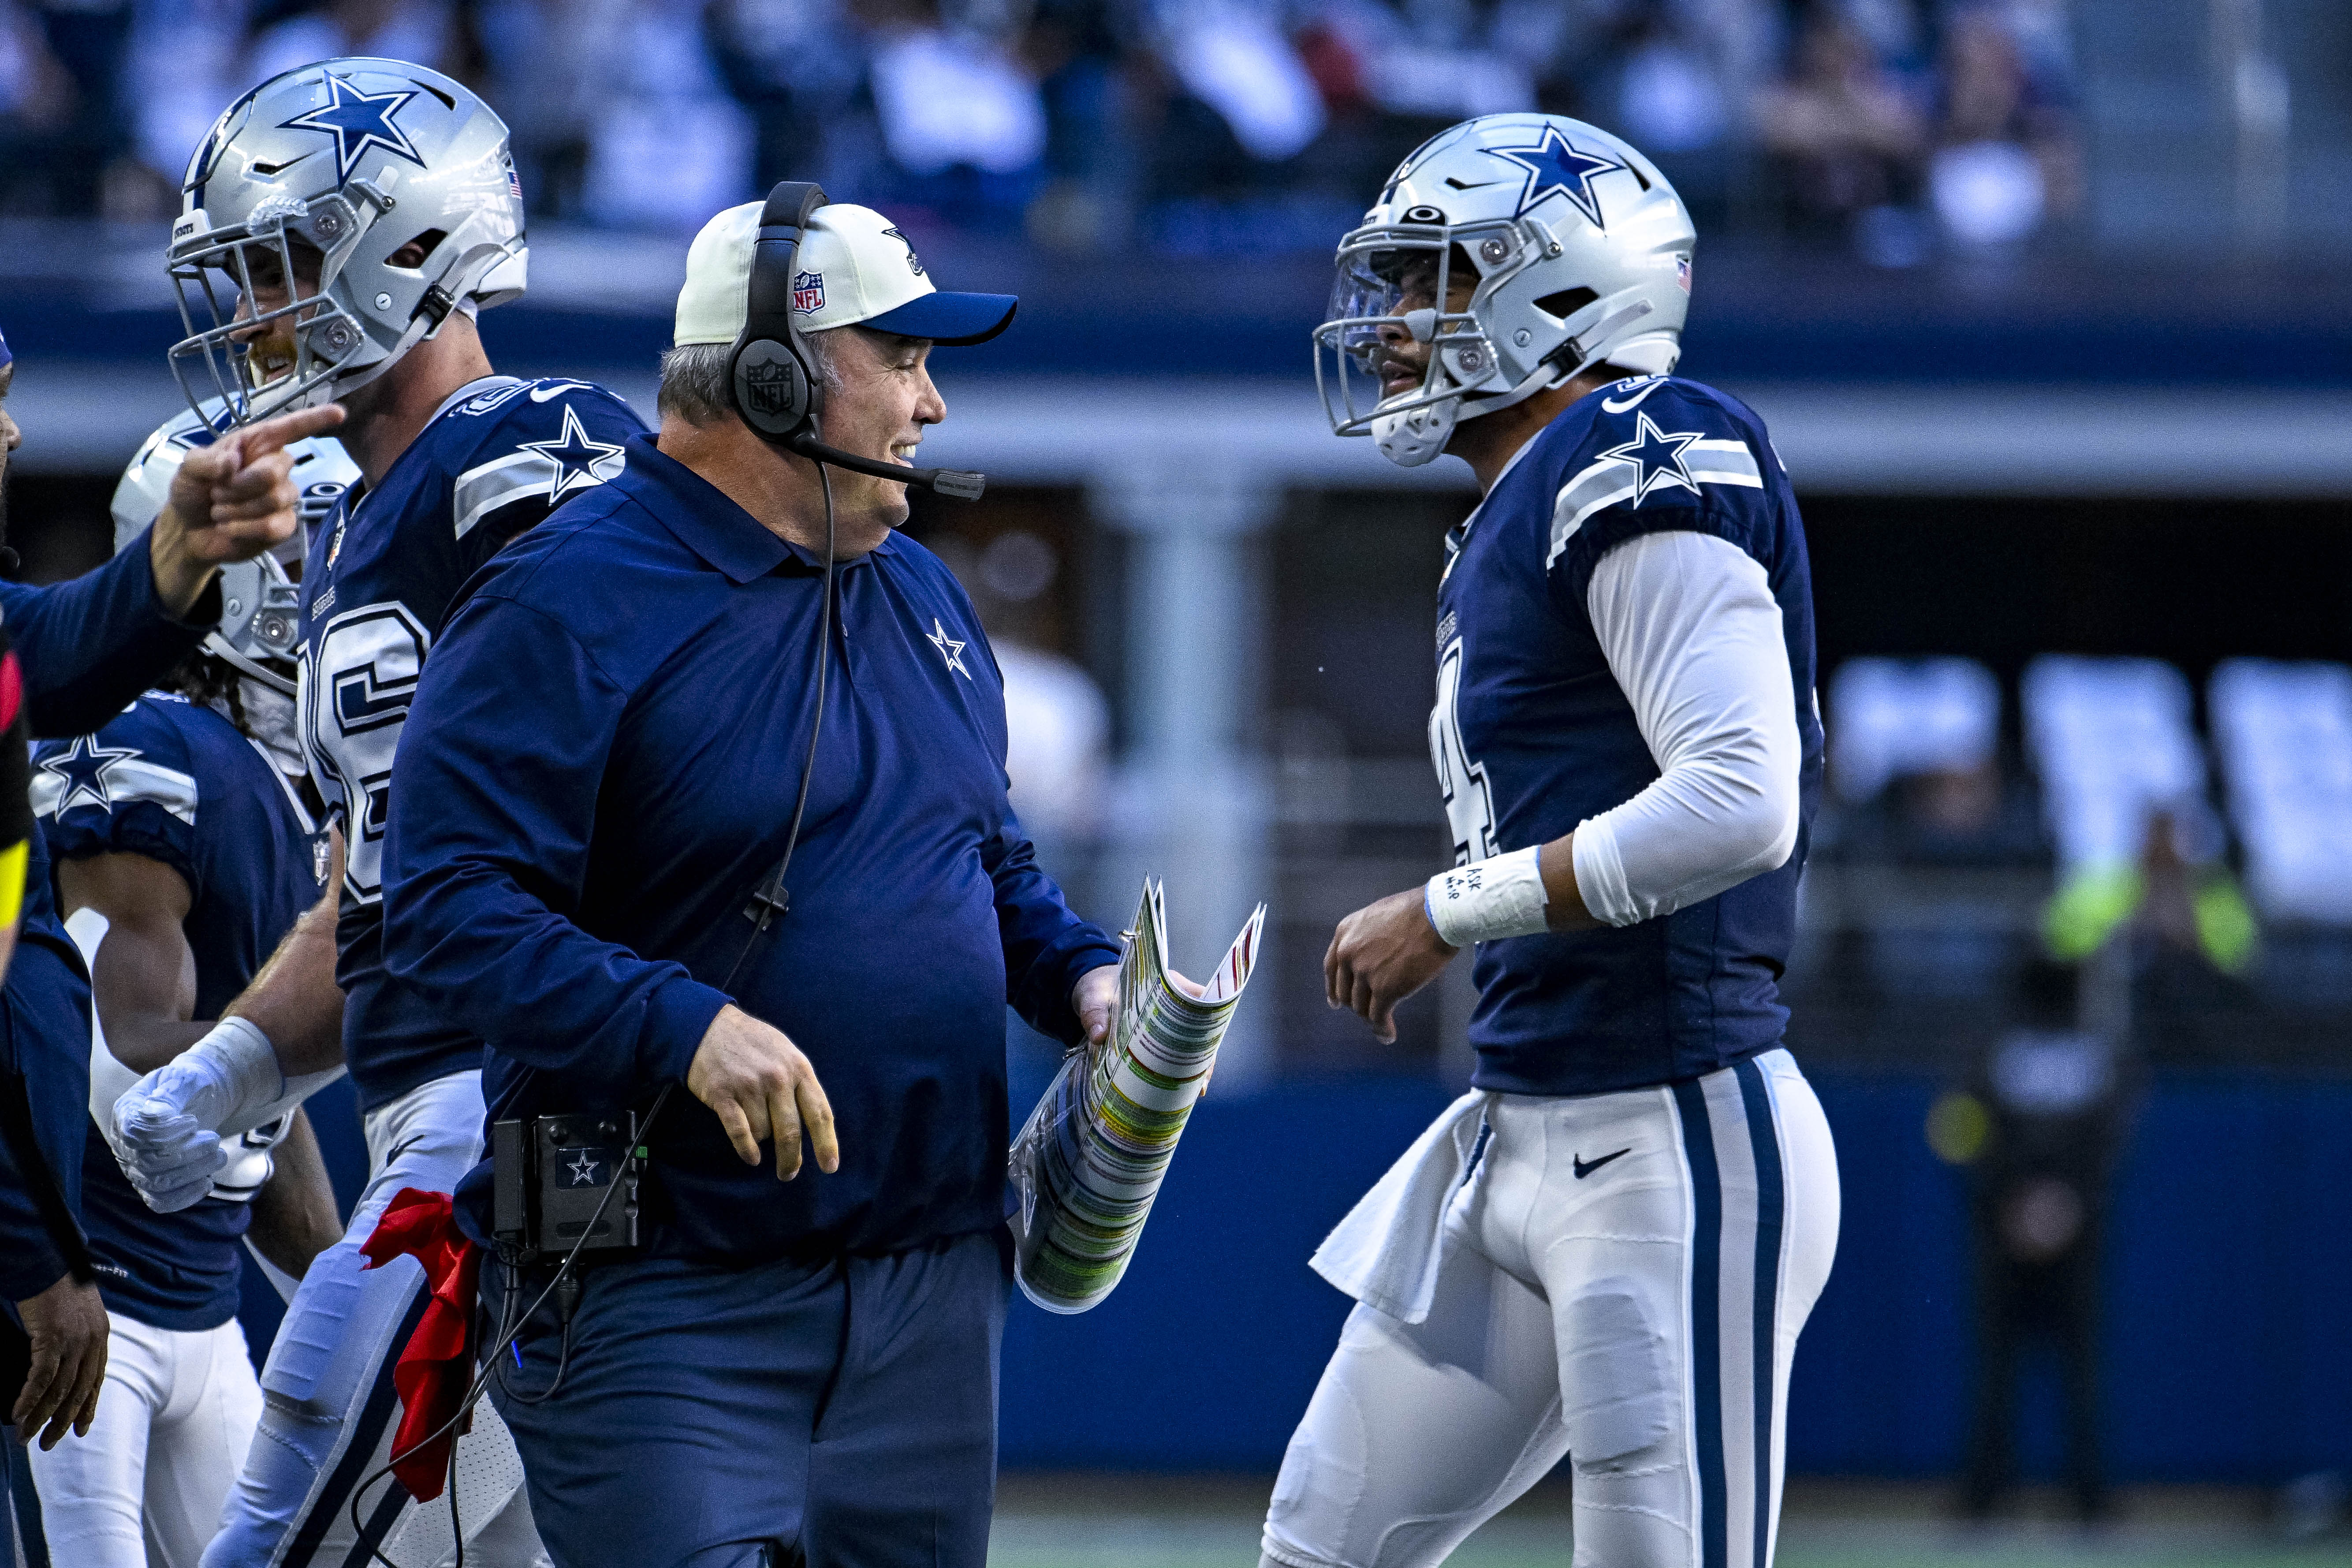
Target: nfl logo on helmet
x=808 y=293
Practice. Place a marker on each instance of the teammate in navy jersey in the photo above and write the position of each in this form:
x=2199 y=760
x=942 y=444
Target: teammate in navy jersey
x=1604 y=1251
x=184 y=850
x=341 y=294
x=87 y=647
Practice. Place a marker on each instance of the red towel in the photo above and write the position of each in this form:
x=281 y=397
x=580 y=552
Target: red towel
x=437 y=1367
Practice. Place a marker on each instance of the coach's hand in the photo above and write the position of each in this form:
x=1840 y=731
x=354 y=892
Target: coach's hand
x=230 y=501
x=1096 y=999
x=1381 y=954
x=761 y=1087
x=67 y=1323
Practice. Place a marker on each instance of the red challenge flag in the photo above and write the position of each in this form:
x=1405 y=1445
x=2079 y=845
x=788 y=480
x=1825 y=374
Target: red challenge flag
x=437 y=1366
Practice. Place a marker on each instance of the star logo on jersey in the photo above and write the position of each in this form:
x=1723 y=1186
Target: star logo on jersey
x=949 y=649
x=1557 y=167
x=358 y=120
x=575 y=457
x=1657 y=456
x=584 y=1169
x=79 y=772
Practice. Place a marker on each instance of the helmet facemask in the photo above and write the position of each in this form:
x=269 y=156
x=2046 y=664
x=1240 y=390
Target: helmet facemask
x=218 y=276
x=1391 y=279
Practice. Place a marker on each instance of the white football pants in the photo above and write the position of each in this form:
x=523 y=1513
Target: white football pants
x=328 y=1405
x=1622 y=1279
x=145 y=1485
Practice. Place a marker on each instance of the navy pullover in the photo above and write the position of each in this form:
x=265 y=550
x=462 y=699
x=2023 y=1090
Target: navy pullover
x=599 y=770
x=88 y=648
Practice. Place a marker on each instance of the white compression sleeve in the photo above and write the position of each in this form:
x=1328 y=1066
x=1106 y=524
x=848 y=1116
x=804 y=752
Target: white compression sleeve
x=1692 y=633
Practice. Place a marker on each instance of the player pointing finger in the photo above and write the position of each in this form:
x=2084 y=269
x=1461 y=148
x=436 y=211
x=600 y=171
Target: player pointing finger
x=230 y=501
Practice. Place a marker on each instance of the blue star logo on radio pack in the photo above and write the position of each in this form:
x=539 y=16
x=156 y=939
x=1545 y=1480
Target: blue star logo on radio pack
x=1556 y=166
x=1657 y=458
x=808 y=293
x=358 y=120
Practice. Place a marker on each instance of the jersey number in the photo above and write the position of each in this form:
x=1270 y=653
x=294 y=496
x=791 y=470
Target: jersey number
x=356 y=690
x=1469 y=807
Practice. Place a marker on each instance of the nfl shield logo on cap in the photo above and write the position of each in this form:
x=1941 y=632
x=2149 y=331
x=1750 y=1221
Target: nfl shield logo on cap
x=808 y=293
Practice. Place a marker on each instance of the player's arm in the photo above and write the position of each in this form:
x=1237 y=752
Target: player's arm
x=1060 y=972
x=294 y=999
x=143 y=976
x=276 y=1045
x=294 y=1217
x=1693 y=635
x=92 y=645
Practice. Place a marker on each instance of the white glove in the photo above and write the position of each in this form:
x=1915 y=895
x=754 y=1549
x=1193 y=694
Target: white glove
x=166 y=1131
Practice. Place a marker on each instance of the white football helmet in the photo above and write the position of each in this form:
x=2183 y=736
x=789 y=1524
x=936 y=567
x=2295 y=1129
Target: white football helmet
x=1581 y=253
x=355 y=159
x=260 y=605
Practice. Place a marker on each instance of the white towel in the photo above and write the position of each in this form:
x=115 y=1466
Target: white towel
x=1384 y=1254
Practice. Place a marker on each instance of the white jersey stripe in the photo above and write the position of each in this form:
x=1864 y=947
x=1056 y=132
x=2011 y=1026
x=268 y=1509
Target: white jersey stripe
x=481 y=492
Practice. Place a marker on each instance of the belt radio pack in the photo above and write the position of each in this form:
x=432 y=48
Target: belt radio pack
x=553 y=1188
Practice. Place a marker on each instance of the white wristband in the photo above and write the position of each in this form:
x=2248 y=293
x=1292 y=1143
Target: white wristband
x=260 y=1091
x=1488 y=899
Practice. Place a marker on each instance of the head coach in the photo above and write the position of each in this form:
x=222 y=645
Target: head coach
x=597 y=784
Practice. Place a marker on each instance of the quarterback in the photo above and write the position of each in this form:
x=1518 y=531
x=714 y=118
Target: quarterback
x=1605 y=1251
x=340 y=226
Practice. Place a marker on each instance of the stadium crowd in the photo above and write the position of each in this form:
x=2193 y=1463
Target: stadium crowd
x=1184 y=125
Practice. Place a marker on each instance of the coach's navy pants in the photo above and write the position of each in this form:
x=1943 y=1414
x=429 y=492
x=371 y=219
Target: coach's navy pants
x=842 y=1414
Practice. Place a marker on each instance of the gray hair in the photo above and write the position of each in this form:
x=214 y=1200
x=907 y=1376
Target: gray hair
x=694 y=377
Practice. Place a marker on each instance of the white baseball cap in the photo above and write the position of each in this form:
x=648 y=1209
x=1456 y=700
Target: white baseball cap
x=854 y=269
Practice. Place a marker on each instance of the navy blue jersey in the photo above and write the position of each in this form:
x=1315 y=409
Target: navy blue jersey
x=602 y=772
x=381 y=578
x=87 y=647
x=179 y=784
x=1532 y=734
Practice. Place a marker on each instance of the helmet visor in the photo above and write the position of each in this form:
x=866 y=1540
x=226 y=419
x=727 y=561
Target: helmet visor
x=1403 y=297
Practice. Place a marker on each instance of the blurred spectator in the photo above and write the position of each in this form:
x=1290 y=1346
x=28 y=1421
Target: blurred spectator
x=36 y=102
x=415 y=30
x=664 y=145
x=2284 y=734
x=187 y=61
x=1915 y=763
x=2039 y=1126
x=797 y=66
x=2007 y=155
x=960 y=116
x=64 y=82
x=2121 y=766
x=1848 y=137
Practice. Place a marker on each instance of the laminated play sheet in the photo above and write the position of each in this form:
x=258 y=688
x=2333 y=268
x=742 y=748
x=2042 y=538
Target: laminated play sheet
x=1091 y=1159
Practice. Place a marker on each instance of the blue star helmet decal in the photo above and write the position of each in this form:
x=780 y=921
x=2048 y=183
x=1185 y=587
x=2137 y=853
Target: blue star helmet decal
x=575 y=457
x=1657 y=458
x=1556 y=166
x=359 y=120
x=79 y=773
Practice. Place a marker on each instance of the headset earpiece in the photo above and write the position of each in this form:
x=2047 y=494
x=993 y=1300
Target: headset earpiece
x=770 y=381
x=767 y=378
x=771 y=389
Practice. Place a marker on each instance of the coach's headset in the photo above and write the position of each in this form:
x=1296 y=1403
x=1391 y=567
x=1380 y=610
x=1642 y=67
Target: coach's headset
x=767 y=375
